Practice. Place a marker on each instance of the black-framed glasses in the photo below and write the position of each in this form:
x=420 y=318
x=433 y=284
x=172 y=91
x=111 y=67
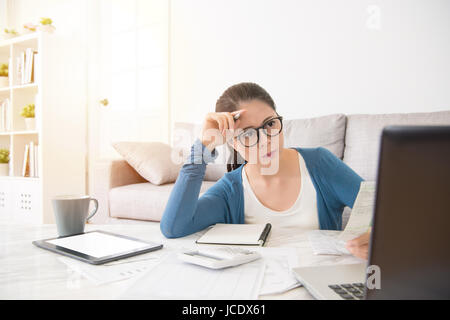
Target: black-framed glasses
x=271 y=127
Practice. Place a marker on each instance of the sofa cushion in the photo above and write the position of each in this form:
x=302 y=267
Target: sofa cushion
x=152 y=160
x=143 y=201
x=326 y=131
x=362 y=139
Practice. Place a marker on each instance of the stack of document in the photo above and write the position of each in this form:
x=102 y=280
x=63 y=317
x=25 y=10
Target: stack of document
x=116 y=270
x=175 y=279
x=160 y=275
x=278 y=277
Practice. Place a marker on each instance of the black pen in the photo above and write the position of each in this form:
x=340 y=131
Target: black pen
x=264 y=234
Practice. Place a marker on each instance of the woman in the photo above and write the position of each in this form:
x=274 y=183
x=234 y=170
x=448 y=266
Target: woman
x=292 y=188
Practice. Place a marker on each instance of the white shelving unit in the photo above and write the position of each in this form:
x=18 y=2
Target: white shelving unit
x=60 y=130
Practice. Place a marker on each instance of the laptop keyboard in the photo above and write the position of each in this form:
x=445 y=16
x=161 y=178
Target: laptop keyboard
x=349 y=291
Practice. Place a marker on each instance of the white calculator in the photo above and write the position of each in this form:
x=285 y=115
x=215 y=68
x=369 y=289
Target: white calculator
x=219 y=257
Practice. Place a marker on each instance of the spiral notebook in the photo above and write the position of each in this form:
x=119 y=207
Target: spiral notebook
x=236 y=234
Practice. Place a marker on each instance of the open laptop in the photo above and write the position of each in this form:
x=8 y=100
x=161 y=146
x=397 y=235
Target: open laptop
x=410 y=239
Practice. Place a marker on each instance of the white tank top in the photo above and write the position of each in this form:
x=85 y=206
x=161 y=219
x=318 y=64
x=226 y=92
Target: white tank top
x=302 y=214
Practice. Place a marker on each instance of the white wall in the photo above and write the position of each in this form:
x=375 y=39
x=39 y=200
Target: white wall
x=314 y=57
x=3 y=14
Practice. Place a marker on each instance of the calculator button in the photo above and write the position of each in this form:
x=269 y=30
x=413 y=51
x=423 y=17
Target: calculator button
x=340 y=291
x=334 y=286
x=359 y=295
x=347 y=296
x=353 y=290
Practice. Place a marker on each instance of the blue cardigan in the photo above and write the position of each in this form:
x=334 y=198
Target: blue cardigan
x=336 y=185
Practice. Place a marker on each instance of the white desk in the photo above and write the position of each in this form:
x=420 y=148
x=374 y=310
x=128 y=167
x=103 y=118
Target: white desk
x=29 y=272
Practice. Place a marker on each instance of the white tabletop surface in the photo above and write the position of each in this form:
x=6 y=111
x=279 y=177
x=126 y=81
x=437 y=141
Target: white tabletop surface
x=29 y=272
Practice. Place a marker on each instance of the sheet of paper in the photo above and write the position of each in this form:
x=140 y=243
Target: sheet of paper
x=115 y=270
x=333 y=242
x=175 y=279
x=327 y=242
x=362 y=212
x=278 y=277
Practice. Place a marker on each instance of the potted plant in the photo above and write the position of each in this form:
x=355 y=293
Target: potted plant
x=28 y=114
x=4 y=82
x=46 y=25
x=9 y=33
x=4 y=162
x=29 y=27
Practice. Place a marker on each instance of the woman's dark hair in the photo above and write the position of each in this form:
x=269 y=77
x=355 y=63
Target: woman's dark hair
x=229 y=101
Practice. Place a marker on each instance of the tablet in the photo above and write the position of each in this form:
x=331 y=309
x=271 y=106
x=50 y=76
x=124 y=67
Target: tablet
x=97 y=247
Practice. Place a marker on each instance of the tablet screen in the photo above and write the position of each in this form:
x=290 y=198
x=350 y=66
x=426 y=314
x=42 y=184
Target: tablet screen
x=98 y=244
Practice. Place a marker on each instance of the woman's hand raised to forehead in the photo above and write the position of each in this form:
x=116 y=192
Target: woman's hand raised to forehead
x=215 y=127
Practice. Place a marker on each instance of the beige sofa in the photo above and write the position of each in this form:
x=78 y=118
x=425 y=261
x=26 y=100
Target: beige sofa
x=352 y=138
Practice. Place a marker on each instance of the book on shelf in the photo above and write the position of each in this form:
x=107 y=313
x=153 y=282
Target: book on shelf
x=28 y=62
x=35 y=72
x=31 y=159
x=5 y=115
x=25 y=66
x=30 y=166
x=19 y=65
x=26 y=167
